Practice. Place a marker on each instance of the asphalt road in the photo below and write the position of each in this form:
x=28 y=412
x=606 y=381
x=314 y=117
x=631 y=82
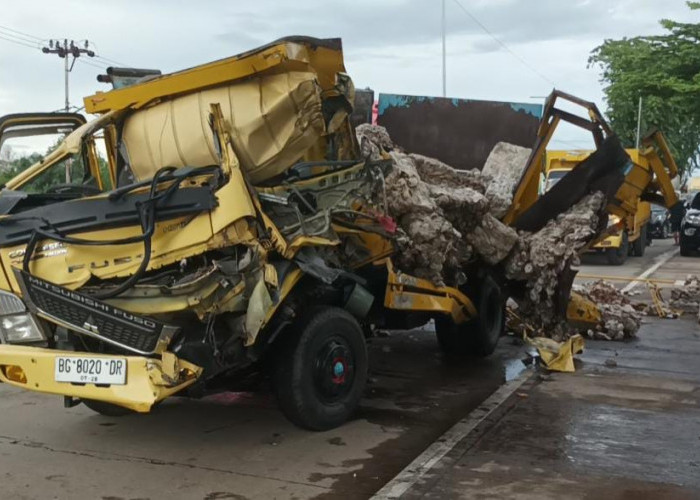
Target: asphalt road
x=238 y=445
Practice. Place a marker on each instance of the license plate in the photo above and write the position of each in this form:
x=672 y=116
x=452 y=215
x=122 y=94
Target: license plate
x=84 y=370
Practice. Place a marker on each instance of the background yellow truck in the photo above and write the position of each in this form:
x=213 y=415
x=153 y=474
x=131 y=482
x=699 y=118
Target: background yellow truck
x=630 y=235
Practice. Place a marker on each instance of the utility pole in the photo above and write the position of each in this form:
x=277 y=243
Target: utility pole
x=639 y=122
x=444 y=58
x=64 y=50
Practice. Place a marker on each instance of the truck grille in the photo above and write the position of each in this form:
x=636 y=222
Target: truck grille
x=94 y=318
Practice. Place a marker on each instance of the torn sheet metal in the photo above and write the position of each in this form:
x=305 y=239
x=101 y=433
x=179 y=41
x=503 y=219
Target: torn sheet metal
x=557 y=356
x=277 y=119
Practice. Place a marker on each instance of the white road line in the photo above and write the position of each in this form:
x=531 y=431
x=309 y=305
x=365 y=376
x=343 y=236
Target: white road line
x=660 y=261
x=445 y=443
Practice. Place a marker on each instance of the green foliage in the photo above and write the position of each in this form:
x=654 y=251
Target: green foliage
x=664 y=71
x=18 y=165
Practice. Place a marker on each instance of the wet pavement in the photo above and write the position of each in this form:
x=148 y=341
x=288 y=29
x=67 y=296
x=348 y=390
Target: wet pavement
x=625 y=425
x=238 y=445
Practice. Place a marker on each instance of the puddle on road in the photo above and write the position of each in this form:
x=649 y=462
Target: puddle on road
x=513 y=368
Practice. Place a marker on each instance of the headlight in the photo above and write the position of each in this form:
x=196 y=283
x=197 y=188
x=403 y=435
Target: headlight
x=614 y=219
x=693 y=219
x=10 y=304
x=17 y=326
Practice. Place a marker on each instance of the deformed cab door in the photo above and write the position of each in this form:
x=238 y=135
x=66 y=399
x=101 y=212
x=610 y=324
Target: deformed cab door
x=36 y=124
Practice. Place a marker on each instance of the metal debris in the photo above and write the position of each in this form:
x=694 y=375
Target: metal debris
x=619 y=318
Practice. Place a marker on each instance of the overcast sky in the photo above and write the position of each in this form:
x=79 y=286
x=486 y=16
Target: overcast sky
x=391 y=46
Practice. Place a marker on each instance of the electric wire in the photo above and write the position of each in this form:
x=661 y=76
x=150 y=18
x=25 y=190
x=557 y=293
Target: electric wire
x=7 y=28
x=19 y=42
x=503 y=44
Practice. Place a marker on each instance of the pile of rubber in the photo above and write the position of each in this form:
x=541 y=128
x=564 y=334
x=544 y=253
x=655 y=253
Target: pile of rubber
x=449 y=219
x=619 y=318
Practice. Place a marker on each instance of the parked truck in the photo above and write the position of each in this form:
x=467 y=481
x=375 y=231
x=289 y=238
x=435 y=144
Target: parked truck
x=629 y=235
x=236 y=229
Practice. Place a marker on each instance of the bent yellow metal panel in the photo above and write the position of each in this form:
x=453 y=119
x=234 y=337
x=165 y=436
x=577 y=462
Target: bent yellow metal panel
x=557 y=356
x=207 y=75
x=406 y=292
x=581 y=312
x=143 y=384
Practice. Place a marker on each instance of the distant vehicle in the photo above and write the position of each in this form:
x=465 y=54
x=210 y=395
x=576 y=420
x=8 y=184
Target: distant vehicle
x=690 y=228
x=631 y=238
x=660 y=223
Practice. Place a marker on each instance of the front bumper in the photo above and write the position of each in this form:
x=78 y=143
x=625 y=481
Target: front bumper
x=690 y=240
x=148 y=380
x=612 y=241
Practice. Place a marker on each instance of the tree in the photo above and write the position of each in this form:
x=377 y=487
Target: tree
x=663 y=70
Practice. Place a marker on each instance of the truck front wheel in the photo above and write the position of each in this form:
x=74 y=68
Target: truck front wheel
x=321 y=370
x=640 y=244
x=479 y=336
x=618 y=256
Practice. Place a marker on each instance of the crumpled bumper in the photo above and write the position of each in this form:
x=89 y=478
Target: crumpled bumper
x=148 y=380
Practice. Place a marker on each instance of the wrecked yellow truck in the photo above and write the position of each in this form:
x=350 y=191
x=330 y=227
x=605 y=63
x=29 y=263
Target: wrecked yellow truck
x=235 y=229
x=232 y=227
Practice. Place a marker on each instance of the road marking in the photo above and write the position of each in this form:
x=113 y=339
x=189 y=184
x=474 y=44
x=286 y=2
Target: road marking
x=445 y=443
x=660 y=261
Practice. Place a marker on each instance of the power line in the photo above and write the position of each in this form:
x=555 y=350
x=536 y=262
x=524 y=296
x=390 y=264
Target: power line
x=502 y=44
x=21 y=33
x=111 y=60
x=18 y=42
x=88 y=63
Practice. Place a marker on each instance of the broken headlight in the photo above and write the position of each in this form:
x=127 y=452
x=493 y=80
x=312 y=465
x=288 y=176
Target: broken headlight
x=17 y=326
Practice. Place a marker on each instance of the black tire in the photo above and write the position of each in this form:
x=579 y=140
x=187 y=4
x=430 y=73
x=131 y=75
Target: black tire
x=479 y=336
x=106 y=409
x=685 y=250
x=618 y=256
x=640 y=244
x=321 y=370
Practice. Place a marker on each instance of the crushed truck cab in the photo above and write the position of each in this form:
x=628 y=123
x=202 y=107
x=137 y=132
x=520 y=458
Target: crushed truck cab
x=232 y=227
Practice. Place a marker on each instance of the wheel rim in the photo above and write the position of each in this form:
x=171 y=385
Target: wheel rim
x=333 y=370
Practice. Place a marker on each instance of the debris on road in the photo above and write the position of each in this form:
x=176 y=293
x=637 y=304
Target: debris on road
x=543 y=259
x=687 y=296
x=557 y=356
x=619 y=318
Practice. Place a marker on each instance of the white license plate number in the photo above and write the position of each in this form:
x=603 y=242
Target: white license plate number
x=75 y=369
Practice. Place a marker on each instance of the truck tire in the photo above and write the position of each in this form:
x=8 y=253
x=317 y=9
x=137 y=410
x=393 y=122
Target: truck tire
x=321 y=370
x=106 y=409
x=618 y=256
x=640 y=244
x=479 y=336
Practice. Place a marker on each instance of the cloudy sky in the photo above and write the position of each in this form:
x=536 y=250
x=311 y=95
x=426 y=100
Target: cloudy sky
x=390 y=45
